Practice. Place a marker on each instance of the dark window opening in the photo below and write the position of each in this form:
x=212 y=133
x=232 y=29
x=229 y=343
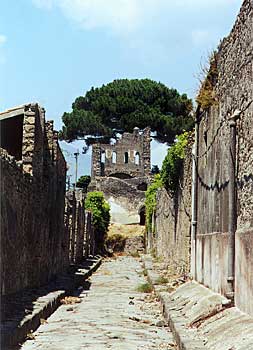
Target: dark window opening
x=121 y=176
x=126 y=158
x=12 y=136
x=142 y=187
x=142 y=214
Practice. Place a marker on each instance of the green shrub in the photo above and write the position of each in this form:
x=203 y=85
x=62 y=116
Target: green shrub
x=150 y=201
x=173 y=163
x=100 y=209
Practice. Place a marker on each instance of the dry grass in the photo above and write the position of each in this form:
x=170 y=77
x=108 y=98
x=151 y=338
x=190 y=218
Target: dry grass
x=70 y=300
x=126 y=231
x=118 y=234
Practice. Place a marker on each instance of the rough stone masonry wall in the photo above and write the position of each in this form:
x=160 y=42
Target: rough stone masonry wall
x=78 y=223
x=234 y=91
x=172 y=222
x=122 y=193
x=34 y=242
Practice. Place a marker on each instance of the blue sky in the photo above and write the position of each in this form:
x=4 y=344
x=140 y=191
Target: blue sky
x=52 y=51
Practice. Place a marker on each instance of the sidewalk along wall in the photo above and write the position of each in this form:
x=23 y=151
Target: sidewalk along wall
x=227 y=89
x=172 y=222
x=34 y=242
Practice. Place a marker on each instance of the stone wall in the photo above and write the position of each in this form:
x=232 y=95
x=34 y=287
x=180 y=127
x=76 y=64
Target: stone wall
x=125 y=196
x=78 y=224
x=171 y=223
x=233 y=90
x=34 y=242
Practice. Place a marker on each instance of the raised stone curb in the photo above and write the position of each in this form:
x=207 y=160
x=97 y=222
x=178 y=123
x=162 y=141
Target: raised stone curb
x=201 y=319
x=38 y=307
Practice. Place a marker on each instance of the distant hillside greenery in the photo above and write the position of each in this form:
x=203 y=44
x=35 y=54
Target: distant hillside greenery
x=124 y=104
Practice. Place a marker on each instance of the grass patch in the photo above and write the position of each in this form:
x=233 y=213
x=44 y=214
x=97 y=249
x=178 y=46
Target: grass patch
x=159 y=259
x=145 y=288
x=135 y=254
x=162 y=280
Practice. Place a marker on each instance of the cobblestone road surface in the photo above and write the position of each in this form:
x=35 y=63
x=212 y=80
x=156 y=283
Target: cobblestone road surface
x=112 y=315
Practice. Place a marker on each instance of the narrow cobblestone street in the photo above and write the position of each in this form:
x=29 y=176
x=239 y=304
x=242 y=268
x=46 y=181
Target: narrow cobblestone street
x=112 y=315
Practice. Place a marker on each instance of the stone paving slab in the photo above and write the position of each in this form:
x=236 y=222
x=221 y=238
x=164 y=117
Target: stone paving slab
x=201 y=319
x=112 y=315
x=24 y=312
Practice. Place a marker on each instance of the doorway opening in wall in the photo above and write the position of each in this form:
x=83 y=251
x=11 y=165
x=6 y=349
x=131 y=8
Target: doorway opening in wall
x=12 y=135
x=102 y=162
x=142 y=214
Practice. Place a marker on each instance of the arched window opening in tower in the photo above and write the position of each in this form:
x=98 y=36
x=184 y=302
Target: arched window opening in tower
x=137 y=158
x=114 y=157
x=103 y=157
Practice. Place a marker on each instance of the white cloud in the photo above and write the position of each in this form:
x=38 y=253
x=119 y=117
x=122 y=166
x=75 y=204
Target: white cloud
x=46 y=4
x=158 y=152
x=121 y=16
x=125 y=16
x=148 y=29
x=3 y=39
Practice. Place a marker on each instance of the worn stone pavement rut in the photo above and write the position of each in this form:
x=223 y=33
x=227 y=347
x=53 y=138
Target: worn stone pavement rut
x=112 y=315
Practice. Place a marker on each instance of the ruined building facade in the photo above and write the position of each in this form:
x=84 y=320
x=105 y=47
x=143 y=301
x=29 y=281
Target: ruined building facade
x=122 y=171
x=34 y=242
x=129 y=157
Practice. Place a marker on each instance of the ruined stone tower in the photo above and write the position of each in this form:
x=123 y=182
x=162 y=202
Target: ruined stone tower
x=129 y=157
x=122 y=172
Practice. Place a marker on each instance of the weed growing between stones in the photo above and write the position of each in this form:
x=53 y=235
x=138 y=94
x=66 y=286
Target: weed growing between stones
x=158 y=259
x=206 y=96
x=145 y=288
x=162 y=280
x=135 y=254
